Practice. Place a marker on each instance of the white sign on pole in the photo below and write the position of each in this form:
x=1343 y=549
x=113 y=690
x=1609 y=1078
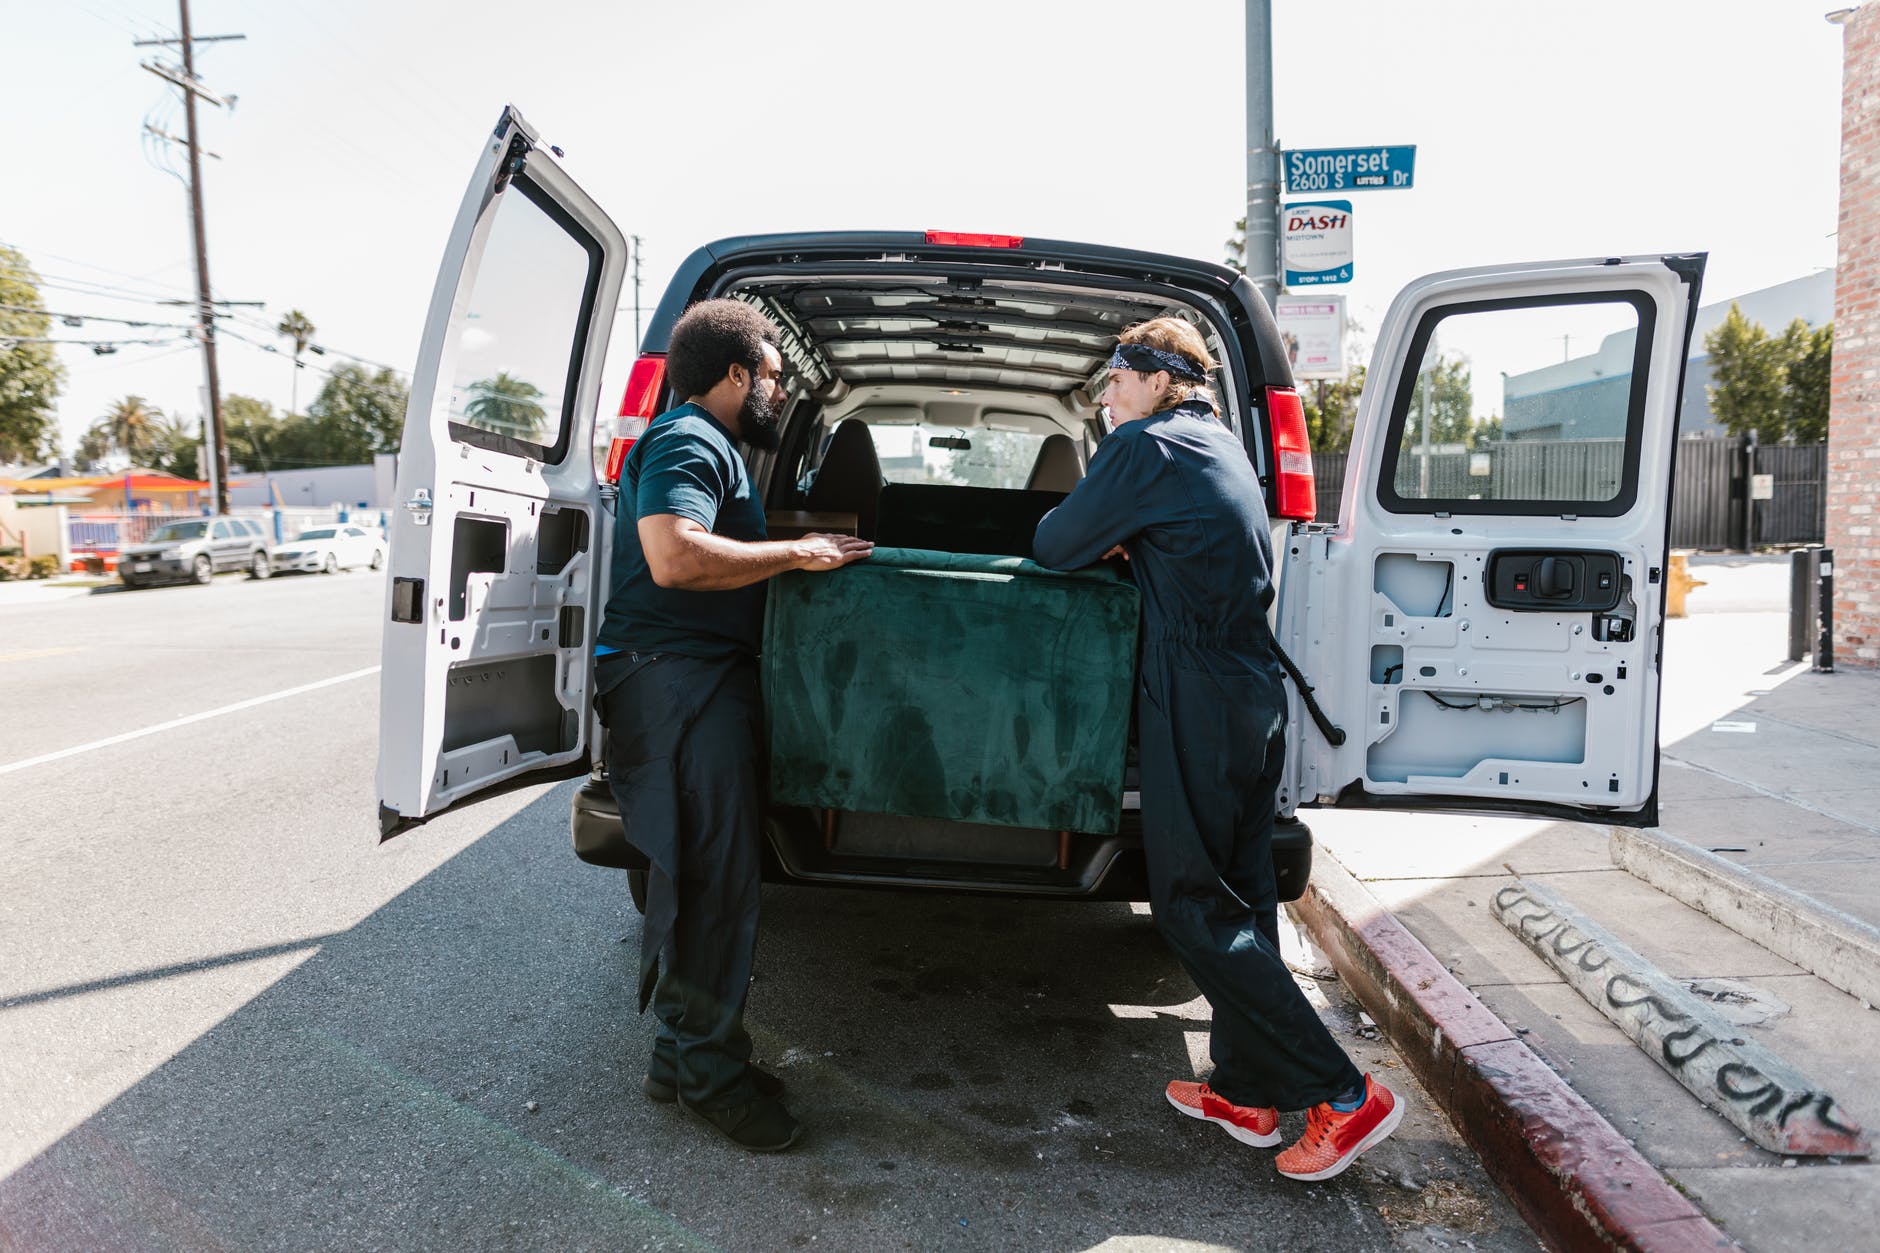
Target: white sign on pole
x=1762 y=487
x=1316 y=242
x=1313 y=328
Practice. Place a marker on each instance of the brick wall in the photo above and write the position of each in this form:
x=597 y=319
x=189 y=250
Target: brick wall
x=1854 y=403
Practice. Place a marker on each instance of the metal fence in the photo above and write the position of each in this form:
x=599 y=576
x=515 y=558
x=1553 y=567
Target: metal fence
x=103 y=534
x=1710 y=491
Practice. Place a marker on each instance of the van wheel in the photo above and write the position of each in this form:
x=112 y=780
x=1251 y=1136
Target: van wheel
x=258 y=567
x=636 y=888
x=202 y=570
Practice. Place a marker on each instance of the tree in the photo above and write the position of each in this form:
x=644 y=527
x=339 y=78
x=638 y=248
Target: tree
x=1332 y=409
x=1237 y=246
x=506 y=404
x=173 y=447
x=1805 y=395
x=1445 y=388
x=252 y=430
x=129 y=422
x=1747 y=374
x=366 y=409
x=297 y=327
x=30 y=373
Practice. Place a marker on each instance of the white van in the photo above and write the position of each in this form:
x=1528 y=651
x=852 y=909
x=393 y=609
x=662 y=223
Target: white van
x=1482 y=621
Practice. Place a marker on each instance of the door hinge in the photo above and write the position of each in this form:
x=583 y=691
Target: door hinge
x=513 y=160
x=420 y=506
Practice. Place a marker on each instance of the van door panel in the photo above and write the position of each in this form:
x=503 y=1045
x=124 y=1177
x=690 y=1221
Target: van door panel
x=484 y=687
x=1484 y=620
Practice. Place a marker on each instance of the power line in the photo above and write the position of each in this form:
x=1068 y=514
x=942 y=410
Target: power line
x=73 y=319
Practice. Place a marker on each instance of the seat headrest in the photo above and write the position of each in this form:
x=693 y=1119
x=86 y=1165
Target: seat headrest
x=1057 y=468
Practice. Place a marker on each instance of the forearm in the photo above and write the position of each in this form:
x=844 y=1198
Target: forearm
x=704 y=562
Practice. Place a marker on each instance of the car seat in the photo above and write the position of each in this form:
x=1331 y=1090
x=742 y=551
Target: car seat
x=1057 y=468
x=849 y=479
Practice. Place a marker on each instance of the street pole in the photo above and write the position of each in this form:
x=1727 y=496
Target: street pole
x=205 y=303
x=1262 y=155
x=205 y=310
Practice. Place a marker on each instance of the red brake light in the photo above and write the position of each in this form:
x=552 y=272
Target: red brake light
x=1296 y=496
x=967 y=239
x=645 y=384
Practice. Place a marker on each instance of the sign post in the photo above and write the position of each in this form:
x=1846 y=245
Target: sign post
x=1316 y=242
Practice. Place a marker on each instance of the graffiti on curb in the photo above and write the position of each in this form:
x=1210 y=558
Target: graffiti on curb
x=1772 y=1102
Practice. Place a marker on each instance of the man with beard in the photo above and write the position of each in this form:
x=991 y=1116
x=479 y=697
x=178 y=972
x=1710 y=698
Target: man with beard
x=676 y=684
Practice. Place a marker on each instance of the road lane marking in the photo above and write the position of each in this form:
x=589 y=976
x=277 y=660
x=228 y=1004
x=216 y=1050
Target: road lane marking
x=171 y=725
x=32 y=653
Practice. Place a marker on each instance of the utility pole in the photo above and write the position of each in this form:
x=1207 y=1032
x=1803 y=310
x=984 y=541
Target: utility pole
x=205 y=305
x=1262 y=154
x=636 y=292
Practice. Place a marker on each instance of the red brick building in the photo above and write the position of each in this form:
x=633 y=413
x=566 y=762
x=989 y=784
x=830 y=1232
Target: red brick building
x=1854 y=397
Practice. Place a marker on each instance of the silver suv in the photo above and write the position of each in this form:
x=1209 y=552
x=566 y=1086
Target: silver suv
x=196 y=549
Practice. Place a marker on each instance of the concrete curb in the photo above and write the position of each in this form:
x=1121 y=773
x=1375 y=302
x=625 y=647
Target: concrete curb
x=1573 y=1177
x=1820 y=939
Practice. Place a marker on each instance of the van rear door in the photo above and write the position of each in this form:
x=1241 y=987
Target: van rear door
x=496 y=543
x=1484 y=623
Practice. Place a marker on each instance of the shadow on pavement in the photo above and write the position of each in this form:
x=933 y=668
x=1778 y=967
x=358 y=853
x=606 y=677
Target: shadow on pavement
x=460 y=1070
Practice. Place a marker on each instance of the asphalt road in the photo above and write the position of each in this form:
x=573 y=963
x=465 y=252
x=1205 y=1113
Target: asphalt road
x=230 y=1019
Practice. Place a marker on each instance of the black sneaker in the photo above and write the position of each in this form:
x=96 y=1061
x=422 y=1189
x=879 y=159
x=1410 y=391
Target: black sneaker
x=767 y=1085
x=762 y=1126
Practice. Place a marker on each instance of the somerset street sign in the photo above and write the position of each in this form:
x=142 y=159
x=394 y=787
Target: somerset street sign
x=1315 y=240
x=1349 y=169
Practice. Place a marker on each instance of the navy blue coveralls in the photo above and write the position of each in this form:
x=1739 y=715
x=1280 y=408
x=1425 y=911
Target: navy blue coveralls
x=1178 y=492
x=676 y=685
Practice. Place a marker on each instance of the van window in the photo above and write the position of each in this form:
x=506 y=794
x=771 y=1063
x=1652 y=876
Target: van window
x=517 y=354
x=930 y=454
x=1521 y=407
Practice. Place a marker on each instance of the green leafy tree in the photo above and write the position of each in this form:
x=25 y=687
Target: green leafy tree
x=1445 y=392
x=1747 y=372
x=173 y=447
x=1805 y=390
x=1332 y=409
x=252 y=431
x=296 y=326
x=30 y=373
x=506 y=404
x=129 y=423
x=1236 y=246
x=364 y=409
x=1486 y=431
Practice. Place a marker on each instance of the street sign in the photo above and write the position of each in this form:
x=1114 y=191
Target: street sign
x=1762 y=487
x=1349 y=169
x=1313 y=330
x=1316 y=242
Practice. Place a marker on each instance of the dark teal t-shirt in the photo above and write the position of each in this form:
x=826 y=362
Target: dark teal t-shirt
x=685 y=464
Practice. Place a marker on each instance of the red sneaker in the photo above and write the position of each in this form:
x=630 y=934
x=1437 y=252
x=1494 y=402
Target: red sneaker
x=1334 y=1139
x=1248 y=1124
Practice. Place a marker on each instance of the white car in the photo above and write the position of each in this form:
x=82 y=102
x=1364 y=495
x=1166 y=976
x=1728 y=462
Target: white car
x=329 y=549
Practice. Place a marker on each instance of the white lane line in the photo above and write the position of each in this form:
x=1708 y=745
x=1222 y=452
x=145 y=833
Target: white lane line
x=171 y=725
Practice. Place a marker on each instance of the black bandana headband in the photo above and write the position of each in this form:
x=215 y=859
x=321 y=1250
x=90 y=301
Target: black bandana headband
x=1148 y=360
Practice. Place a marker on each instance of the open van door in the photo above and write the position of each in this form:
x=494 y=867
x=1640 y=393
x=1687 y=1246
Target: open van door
x=1485 y=621
x=496 y=537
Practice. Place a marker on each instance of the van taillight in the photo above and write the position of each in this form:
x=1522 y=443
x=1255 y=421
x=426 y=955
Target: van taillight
x=967 y=239
x=1296 y=495
x=644 y=385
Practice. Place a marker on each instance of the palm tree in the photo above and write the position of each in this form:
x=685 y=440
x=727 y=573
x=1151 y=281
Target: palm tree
x=296 y=326
x=506 y=405
x=131 y=423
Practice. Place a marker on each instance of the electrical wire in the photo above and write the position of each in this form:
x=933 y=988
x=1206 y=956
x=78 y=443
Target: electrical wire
x=1507 y=704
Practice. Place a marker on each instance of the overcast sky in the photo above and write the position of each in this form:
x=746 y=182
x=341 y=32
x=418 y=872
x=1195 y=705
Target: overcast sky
x=1543 y=130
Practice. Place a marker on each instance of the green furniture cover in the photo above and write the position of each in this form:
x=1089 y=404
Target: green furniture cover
x=942 y=685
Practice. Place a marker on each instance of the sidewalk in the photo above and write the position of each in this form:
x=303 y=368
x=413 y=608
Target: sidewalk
x=1775 y=768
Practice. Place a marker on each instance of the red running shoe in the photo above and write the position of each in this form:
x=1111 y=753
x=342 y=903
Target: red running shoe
x=1334 y=1139
x=1248 y=1124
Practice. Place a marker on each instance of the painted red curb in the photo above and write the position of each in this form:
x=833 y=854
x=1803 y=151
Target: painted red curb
x=1572 y=1176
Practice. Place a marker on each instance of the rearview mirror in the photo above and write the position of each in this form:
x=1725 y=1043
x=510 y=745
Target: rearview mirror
x=958 y=443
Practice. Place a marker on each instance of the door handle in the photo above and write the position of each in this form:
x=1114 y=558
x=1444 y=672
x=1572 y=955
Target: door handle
x=1555 y=578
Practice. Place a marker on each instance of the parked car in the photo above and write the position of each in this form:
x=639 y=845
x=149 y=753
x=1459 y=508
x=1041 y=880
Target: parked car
x=195 y=549
x=1479 y=629
x=329 y=549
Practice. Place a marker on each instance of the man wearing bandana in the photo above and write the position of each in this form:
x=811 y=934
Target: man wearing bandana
x=676 y=685
x=1171 y=490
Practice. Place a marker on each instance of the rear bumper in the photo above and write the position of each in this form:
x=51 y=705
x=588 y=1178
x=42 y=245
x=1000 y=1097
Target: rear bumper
x=798 y=850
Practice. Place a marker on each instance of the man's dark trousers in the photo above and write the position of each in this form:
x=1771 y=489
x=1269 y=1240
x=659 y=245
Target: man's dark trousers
x=683 y=764
x=1211 y=735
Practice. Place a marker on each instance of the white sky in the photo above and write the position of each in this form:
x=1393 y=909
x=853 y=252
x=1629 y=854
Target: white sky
x=1542 y=131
